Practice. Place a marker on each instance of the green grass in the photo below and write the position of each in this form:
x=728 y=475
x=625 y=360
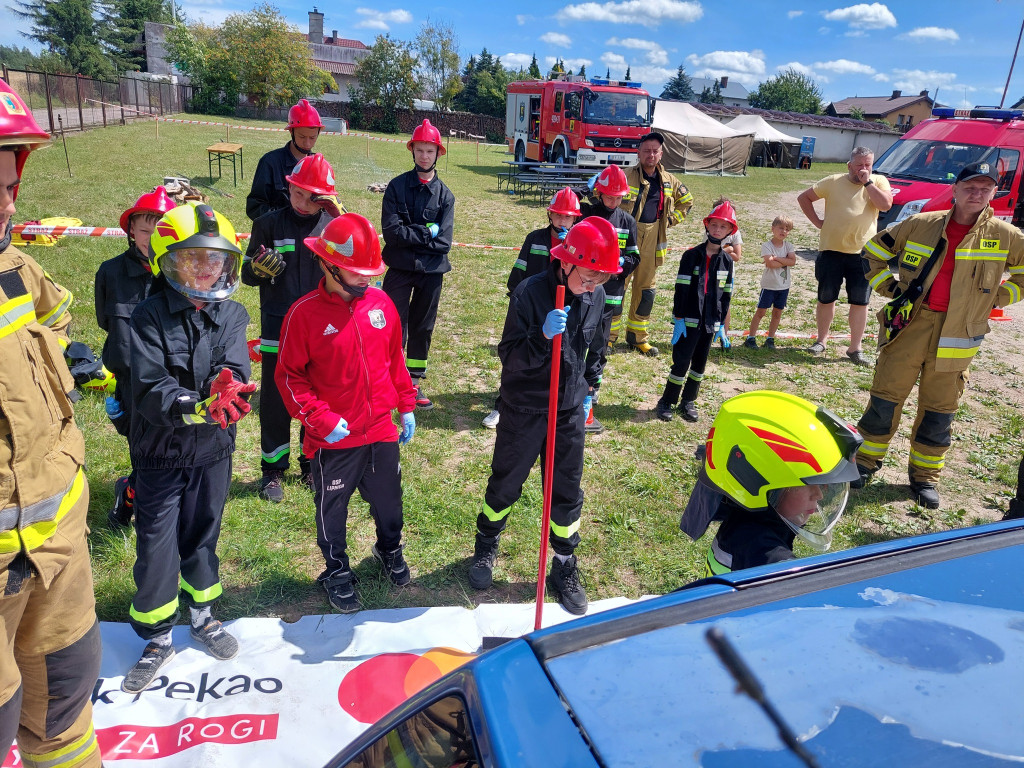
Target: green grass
x=637 y=475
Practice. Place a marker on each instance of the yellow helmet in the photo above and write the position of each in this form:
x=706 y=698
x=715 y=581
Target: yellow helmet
x=763 y=443
x=196 y=250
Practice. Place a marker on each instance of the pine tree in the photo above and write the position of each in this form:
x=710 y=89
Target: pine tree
x=583 y=70
x=534 y=69
x=628 y=76
x=679 y=88
x=608 y=73
x=69 y=29
x=125 y=21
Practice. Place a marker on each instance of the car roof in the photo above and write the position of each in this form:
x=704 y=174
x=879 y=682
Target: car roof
x=904 y=653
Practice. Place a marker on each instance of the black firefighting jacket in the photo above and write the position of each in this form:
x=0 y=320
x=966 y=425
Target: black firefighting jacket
x=121 y=284
x=408 y=206
x=703 y=288
x=269 y=189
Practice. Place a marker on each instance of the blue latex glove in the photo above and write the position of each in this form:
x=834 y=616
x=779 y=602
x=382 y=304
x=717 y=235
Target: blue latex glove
x=562 y=232
x=554 y=323
x=679 y=331
x=113 y=407
x=408 y=428
x=433 y=229
x=722 y=337
x=593 y=181
x=622 y=260
x=340 y=432
x=588 y=403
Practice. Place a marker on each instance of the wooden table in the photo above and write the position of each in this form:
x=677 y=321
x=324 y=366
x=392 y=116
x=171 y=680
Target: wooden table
x=226 y=151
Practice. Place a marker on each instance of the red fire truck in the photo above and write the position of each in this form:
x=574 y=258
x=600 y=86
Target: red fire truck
x=922 y=166
x=588 y=123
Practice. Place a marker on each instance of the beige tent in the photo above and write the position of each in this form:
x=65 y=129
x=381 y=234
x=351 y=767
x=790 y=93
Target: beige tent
x=772 y=147
x=696 y=143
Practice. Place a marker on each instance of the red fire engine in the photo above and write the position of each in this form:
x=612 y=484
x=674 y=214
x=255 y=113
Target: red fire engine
x=595 y=123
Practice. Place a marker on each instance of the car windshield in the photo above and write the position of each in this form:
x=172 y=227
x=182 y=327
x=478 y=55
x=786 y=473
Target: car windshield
x=609 y=108
x=929 y=160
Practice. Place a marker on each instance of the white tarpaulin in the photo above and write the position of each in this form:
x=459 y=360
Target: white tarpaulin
x=697 y=143
x=762 y=130
x=296 y=693
x=771 y=147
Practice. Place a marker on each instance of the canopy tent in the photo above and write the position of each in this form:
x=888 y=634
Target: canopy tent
x=771 y=147
x=696 y=143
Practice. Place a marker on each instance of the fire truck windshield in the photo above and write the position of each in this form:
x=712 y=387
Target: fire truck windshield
x=610 y=108
x=928 y=160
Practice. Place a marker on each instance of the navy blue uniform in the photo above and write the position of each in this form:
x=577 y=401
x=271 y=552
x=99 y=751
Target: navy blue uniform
x=269 y=189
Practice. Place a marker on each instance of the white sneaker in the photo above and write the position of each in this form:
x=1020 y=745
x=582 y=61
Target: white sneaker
x=491 y=419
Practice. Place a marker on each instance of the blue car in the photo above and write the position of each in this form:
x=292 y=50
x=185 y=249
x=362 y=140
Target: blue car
x=906 y=653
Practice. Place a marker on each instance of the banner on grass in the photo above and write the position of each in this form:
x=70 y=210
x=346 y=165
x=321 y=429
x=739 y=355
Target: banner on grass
x=296 y=693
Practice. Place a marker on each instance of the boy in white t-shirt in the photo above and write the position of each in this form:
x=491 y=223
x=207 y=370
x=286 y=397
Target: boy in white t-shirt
x=779 y=255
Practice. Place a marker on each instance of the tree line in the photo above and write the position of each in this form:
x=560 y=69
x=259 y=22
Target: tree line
x=789 y=91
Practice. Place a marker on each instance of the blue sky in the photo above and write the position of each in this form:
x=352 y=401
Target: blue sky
x=963 y=49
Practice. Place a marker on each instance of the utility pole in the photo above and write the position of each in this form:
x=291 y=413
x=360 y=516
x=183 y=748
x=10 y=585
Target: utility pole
x=1014 y=61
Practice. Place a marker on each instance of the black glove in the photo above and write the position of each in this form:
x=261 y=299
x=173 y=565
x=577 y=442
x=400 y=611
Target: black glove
x=87 y=370
x=267 y=263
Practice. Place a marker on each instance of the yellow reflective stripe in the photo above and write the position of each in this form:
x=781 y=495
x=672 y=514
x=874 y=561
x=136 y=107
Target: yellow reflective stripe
x=874 y=450
x=1014 y=291
x=156 y=615
x=973 y=254
x=877 y=250
x=202 y=595
x=924 y=461
x=493 y=516
x=1017 y=270
x=398 y=754
x=15 y=314
x=919 y=248
x=661 y=252
x=564 y=531
x=36 y=534
x=956 y=353
x=55 y=314
x=880 y=278
x=72 y=754
x=9 y=542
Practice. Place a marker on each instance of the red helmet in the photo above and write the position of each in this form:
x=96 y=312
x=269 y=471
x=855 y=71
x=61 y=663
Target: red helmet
x=18 y=127
x=428 y=133
x=611 y=181
x=593 y=243
x=723 y=212
x=156 y=202
x=304 y=115
x=314 y=174
x=349 y=242
x=565 y=203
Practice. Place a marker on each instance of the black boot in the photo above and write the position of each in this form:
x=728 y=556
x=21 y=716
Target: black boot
x=124 y=504
x=565 y=581
x=485 y=553
x=925 y=494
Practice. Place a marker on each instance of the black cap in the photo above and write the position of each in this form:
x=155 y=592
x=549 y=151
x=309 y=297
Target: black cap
x=653 y=135
x=974 y=170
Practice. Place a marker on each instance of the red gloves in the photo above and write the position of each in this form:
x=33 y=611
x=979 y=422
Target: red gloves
x=229 y=398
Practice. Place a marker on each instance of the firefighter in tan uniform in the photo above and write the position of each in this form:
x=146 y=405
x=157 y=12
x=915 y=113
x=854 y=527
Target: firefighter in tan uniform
x=657 y=200
x=51 y=657
x=931 y=330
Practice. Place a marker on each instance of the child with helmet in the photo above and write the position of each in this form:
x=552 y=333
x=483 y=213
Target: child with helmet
x=417 y=219
x=269 y=185
x=279 y=263
x=586 y=260
x=189 y=371
x=342 y=373
x=775 y=467
x=701 y=303
x=121 y=284
x=535 y=255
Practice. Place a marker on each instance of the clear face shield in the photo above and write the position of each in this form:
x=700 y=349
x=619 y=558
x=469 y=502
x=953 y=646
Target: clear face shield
x=204 y=274
x=811 y=511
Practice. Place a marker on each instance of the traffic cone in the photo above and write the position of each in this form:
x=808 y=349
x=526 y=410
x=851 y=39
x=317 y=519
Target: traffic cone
x=998 y=315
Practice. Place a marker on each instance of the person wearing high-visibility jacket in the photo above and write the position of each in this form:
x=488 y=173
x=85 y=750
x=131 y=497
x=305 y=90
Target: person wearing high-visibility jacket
x=51 y=650
x=931 y=330
x=774 y=467
x=657 y=200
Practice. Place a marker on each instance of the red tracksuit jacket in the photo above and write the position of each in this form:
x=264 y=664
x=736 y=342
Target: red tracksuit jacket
x=342 y=359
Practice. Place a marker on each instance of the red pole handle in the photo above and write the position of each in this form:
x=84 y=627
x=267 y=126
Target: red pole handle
x=549 y=461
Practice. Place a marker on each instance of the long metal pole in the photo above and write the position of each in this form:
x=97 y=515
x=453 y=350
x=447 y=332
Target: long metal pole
x=1014 y=61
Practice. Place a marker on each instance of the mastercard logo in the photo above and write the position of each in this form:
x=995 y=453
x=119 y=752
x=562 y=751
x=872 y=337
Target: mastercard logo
x=378 y=685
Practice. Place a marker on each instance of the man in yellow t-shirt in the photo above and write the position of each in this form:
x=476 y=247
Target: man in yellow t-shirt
x=853 y=201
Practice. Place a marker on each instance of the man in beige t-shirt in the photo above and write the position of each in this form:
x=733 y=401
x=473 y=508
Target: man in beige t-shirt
x=853 y=201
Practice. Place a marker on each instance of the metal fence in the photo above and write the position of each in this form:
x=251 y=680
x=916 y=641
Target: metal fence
x=74 y=103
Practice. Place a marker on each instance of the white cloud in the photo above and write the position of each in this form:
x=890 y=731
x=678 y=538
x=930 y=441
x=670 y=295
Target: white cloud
x=382 y=20
x=916 y=80
x=653 y=78
x=928 y=34
x=746 y=66
x=880 y=78
x=649 y=13
x=523 y=18
x=804 y=69
x=575 y=64
x=844 y=67
x=863 y=16
x=794 y=14
x=517 y=60
x=612 y=60
x=557 y=38
x=654 y=54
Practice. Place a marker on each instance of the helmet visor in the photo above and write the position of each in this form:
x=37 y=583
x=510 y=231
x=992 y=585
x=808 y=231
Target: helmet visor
x=811 y=511
x=204 y=274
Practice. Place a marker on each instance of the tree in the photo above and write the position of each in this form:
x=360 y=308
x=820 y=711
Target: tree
x=679 y=87
x=23 y=58
x=558 y=68
x=583 y=70
x=608 y=73
x=712 y=95
x=69 y=29
x=256 y=53
x=856 y=113
x=789 y=91
x=125 y=21
x=484 y=79
x=534 y=70
x=387 y=80
x=628 y=75
x=438 y=50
